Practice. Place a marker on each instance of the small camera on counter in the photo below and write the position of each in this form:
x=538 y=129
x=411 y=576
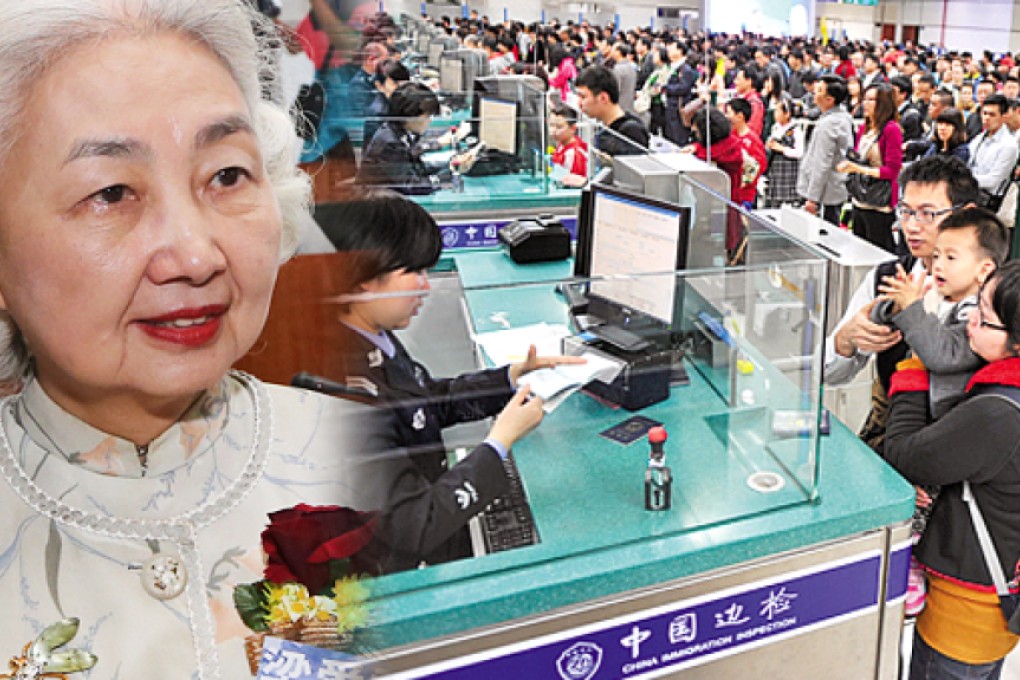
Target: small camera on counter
x=538 y=239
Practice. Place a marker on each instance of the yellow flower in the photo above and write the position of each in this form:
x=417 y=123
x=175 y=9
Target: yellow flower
x=349 y=590
x=286 y=602
x=322 y=608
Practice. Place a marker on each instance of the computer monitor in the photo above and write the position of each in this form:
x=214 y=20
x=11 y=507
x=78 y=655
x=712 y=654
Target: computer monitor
x=633 y=246
x=472 y=64
x=497 y=124
x=451 y=74
x=529 y=94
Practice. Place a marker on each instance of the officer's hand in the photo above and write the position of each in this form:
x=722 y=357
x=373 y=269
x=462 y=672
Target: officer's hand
x=535 y=362
x=521 y=415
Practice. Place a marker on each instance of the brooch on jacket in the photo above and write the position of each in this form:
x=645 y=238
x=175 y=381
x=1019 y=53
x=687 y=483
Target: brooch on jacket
x=40 y=660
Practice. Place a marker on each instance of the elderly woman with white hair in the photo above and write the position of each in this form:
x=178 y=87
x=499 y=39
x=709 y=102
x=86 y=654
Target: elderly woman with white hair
x=147 y=194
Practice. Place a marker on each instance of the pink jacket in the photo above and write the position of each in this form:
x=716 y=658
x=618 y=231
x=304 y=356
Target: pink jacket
x=890 y=145
x=564 y=76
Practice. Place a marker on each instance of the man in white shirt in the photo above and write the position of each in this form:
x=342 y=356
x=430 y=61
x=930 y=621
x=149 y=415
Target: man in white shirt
x=993 y=153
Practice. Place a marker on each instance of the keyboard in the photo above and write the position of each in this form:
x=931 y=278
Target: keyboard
x=507 y=522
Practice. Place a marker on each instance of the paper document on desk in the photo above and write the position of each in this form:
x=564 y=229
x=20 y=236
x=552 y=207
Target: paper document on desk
x=506 y=347
x=555 y=384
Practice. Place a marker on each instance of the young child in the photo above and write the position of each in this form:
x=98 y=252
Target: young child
x=970 y=245
x=571 y=152
x=390 y=243
x=785 y=147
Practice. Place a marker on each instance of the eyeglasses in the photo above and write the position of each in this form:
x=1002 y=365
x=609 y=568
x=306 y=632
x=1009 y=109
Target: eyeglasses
x=989 y=324
x=924 y=215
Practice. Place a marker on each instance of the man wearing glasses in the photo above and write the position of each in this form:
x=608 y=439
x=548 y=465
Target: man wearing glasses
x=932 y=188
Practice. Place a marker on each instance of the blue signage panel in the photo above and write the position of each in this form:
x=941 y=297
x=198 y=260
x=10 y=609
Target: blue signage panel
x=696 y=631
x=483 y=234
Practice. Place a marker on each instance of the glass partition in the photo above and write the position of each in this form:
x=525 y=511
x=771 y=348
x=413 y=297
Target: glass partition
x=734 y=378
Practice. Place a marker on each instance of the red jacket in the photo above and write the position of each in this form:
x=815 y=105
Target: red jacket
x=727 y=154
x=572 y=156
x=757 y=122
x=753 y=145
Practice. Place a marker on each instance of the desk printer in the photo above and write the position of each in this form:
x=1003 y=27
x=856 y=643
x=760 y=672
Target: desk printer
x=539 y=239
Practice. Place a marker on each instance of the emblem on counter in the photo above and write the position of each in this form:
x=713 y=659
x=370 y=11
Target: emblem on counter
x=450 y=237
x=580 y=662
x=41 y=660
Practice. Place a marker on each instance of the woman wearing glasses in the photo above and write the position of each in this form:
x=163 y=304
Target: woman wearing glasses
x=962 y=631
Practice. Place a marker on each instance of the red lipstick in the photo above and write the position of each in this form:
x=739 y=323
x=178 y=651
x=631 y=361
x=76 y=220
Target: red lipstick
x=192 y=327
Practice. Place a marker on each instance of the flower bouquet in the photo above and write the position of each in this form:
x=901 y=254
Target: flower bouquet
x=315 y=585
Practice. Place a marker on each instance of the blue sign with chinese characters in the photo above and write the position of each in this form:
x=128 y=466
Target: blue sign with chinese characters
x=471 y=234
x=695 y=631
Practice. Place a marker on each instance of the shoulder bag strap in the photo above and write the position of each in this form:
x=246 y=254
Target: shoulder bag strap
x=985 y=539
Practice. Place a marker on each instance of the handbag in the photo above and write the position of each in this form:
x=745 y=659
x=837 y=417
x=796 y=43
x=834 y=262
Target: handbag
x=868 y=191
x=865 y=190
x=643 y=101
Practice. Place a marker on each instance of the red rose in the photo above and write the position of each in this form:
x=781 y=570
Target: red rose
x=300 y=543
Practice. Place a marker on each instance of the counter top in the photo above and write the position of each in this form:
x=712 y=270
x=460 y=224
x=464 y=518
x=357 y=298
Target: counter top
x=500 y=192
x=586 y=493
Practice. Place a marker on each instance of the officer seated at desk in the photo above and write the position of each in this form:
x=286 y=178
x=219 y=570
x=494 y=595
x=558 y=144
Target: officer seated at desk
x=395 y=156
x=391 y=243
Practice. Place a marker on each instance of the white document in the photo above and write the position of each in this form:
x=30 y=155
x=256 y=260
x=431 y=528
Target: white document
x=506 y=347
x=554 y=385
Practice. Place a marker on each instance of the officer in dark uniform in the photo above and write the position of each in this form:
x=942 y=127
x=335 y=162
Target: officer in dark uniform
x=393 y=158
x=391 y=242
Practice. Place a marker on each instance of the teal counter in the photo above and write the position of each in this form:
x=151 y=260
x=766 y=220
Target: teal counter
x=586 y=493
x=496 y=194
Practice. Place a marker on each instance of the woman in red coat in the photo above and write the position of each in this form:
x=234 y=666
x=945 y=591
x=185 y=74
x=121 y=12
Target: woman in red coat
x=717 y=143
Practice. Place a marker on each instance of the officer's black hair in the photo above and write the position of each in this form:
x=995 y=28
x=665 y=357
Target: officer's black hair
x=382 y=232
x=411 y=100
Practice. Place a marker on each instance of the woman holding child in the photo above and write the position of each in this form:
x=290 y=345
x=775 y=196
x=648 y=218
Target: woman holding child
x=962 y=629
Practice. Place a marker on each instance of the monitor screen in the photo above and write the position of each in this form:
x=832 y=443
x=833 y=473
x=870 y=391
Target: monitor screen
x=451 y=74
x=497 y=124
x=633 y=235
